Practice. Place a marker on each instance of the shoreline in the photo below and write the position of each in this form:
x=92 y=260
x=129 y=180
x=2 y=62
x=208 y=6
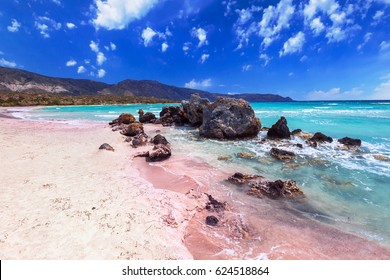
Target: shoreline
x=137 y=202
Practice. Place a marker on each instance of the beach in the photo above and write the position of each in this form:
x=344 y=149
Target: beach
x=63 y=198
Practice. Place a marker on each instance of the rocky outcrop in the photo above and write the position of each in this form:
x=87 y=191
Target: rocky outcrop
x=282 y=155
x=107 y=147
x=296 y=131
x=258 y=186
x=172 y=115
x=133 y=129
x=146 y=118
x=159 y=139
x=160 y=152
x=229 y=118
x=350 y=142
x=193 y=109
x=139 y=140
x=123 y=119
x=320 y=138
x=279 y=130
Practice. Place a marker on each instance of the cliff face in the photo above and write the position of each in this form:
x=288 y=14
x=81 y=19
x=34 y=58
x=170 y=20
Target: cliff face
x=21 y=81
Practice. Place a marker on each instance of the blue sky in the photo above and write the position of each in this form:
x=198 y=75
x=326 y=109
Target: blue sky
x=308 y=50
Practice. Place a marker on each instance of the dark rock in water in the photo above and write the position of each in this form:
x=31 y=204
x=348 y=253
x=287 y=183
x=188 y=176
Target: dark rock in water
x=193 y=109
x=134 y=129
x=282 y=155
x=147 y=118
x=350 y=141
x=279 y=130
x=320 y=137
x=246 y=155
x=229 y=118
x=172 y=115
x=123 y=119
x=139 y=140
x=159 y=139
x=160 y=152
x=239 y=178
x=299 y=145
x=211 y=221
x=296 y=131
x=140 y=112
x=215 y=205
x=107 y=147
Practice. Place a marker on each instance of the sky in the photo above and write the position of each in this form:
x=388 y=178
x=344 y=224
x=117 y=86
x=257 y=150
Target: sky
x=307 y=50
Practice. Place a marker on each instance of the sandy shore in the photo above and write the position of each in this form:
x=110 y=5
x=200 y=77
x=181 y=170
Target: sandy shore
x=63 y=198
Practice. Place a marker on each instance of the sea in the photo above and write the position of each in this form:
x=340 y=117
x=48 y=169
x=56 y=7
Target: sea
x=349 y=189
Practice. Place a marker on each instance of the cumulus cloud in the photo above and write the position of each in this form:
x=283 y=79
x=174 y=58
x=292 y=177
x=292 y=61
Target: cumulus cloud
x=293 y=45
x=112 y=46
x=71 y=63
x=15 y=25
x=265 y=58
x=164 y=47
x=315 y=6
x=204 y=57
x=198 y=84
x=81 y=69
x=117 y=14
x=186 y=47
x=201 y=34
x=7 y=63
x=335 y=94
x=317 y=26
x=101 y=73
x=147 y=35
x=70 y=25
x=94 y=46
x=100 y=58
x=46 y=25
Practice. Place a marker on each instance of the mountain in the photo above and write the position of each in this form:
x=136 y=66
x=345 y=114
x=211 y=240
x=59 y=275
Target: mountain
x=21 y=81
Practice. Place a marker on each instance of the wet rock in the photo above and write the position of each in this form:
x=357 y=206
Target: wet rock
x=159 y=139
x=239 y=178
x=299 y=145
x=147 y=118
x=123 y=119
x=211 y=220
x=159 y=153
x=134 y=129
x=139 y=140
x=229 y=118
x=224 y=157
x=107 y=147
x=350 y=141
x=193 y=109
x=172 y=115
x=279 y=130
x=320 y=137
x=142 y=154
x=246 y=155
x=382 y=157
x=296 y=131
x=282 y=155
x=215 y=205
x=304 y=135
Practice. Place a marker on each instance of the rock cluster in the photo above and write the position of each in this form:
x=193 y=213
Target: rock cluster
x=194 y=108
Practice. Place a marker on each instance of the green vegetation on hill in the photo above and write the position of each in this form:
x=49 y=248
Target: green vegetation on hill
x=47 y=99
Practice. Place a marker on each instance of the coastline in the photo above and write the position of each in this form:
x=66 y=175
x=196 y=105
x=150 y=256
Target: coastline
x=65 y=199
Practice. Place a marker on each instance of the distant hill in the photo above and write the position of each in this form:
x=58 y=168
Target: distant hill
x=21 y=81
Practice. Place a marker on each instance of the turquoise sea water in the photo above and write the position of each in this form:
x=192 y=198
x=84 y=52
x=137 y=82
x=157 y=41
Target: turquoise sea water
x=349 y=189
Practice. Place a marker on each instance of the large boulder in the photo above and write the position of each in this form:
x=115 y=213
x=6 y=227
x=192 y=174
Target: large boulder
x=279 y=130
x=193 y=109
x=147 y=118
x=159 y=139
x=170 y=115
x=229 y=118
x=123 y=119
x=350 y=141
x=320 y=137
x=160 y=152
x=282 y=155
x=134 y=129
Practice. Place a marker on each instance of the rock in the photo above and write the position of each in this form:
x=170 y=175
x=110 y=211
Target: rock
x=140 y=112
x=279 y=130
x=246 y=155
x=304 y=135
x=139 y=140
x=123 y=119
x=160 y=152
x=299 y=145
x=282 y=155
x=159 y=139
x=239 y=178
x=134 y=129
x=296 y=131
x=172 y=115
x=193 y=109
x=224 y=157
x=350 y=141
x=107 y=147
x=382 y=157
x=320 y=137
x=142 y=154
x=147 y=118
x=215 y=205
x=229 y=118
x=211 y=220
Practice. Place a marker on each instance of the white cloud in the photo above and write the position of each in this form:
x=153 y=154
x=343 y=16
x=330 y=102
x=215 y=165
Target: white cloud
x=15 y=25
x=58 y=2
x=112 y=46
x=265 y=58
x=382 y=91
x=186 y=47
x=198 y=84
x=100 y=58
x=335 y=94
x=201 y=34
x=43 y=28
x=101 y=73
x=317 y=26
x=81 y=69
x=147 y=35
x=164 y=47
x=94 y=46
x=314 y=6
x=293 y=45
x=117 y=14
x=46 y=25
x=7 y=63
x=244 y=15
x=246 y=67
x=71 y=25
x=367 y=38
x=71 y=63
x=204 y=57
x=384 y=46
